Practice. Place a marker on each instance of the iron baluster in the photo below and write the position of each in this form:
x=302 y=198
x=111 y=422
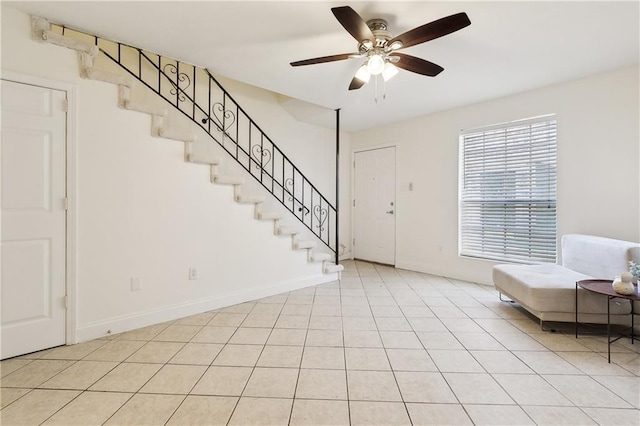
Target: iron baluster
x=209 y=109
x=237 y=130
x=224 y=116
x=177 y=80
x=328 y=242
x=261 y=156
x=250 y=134
x=272 y=168
x=193 y=114
x=337 y=231
x=302 y=202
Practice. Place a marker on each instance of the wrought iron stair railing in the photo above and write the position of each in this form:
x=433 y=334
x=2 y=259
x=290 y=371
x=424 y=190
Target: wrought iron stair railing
x=199 y=96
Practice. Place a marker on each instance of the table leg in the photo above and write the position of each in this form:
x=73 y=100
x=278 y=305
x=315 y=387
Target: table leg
x=608 y=329
x=633 y=314
x=576 y=309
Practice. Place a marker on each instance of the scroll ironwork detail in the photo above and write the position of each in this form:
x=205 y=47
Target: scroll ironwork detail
x=182 y=84
x=321 y=216
x=261 y=155
x=224 y=117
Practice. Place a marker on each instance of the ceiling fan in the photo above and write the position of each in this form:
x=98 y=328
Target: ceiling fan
x=380 y=50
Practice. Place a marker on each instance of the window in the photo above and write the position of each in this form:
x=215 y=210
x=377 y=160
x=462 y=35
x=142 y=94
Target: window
x=508 y=192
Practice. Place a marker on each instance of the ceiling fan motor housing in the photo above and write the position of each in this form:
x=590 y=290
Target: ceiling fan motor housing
x=379 y=29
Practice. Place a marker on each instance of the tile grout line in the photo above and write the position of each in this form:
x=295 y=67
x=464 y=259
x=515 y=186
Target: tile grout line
x=395 y=379
x=344 y=354
x=304 y=345
x=395 y=287
x=429 y=355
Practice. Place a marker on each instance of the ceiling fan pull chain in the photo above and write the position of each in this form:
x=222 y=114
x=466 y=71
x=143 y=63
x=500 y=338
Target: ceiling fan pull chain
x=384 y=89
x=376 y=95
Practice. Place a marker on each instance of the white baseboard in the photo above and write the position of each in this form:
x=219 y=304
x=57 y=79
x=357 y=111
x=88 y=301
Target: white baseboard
x=132 y=321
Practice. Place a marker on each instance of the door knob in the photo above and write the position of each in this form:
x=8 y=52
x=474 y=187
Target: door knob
x=390 y=212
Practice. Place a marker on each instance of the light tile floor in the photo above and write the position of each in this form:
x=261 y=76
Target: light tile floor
x=383 y=346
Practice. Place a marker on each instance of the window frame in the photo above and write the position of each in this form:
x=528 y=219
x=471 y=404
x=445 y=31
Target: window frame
x=536 y=208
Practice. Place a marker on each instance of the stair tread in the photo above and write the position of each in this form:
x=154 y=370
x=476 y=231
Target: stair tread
x=250 y=199
x=304 y=245
x=332 y=267
x=176 y=135
x=269 y=216
x=146 y=108
x=200 y=160
x=287 y=230
x=320 y=257
x=228 y=180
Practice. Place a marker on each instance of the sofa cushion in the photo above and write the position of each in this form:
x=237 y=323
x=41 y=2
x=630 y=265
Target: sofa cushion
x=546 y=287
x=551 y=288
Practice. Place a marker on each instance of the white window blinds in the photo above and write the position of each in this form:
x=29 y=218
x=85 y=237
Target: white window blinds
x=508 y=192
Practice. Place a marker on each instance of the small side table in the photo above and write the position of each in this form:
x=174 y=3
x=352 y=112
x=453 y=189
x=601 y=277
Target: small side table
x=604 y=287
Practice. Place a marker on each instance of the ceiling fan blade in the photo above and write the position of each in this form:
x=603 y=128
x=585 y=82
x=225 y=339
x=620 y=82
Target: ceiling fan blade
x=417 y=65
x=322 y=59
x=433 y=30
x=353 y=23
x=356 y=83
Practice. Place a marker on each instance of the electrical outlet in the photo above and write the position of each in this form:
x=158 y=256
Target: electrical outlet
x=193 y=273
x=135 y=284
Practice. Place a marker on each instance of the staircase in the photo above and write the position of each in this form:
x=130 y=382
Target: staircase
x=188 y=104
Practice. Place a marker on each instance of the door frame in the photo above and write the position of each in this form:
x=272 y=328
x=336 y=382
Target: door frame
x=71 y=241
x=353 y=194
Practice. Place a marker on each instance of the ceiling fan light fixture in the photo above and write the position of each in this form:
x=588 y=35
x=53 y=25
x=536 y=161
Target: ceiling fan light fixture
x=367 y=44
x=363 y=74
x=396 y=45
x=389 y=71
x=375 y=64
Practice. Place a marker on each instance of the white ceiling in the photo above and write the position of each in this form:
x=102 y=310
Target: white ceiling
x=510 y=47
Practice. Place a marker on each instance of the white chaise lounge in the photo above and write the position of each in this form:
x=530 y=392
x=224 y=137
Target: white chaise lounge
x=548 y=290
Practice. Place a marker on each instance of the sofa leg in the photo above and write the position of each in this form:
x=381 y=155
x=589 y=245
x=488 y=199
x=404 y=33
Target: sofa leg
x=504 y=300
x=543 y=329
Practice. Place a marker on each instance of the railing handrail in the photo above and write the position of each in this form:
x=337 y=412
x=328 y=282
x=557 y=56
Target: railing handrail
x=267 y=136
x=207 y=113
x=319 y=206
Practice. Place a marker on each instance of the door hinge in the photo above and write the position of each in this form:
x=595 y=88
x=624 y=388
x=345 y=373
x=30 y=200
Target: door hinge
x=354 y=164
x=65 y=203
x=354 y=203
x=66 y=302
x=354 y=241
x=65 y=105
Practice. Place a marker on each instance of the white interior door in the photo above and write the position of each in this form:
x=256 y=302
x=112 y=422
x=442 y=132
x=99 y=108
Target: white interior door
x=33 y=218
x=374 y=209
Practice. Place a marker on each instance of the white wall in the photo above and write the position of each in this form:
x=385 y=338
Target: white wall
x=598 y=167
x=143 y=212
